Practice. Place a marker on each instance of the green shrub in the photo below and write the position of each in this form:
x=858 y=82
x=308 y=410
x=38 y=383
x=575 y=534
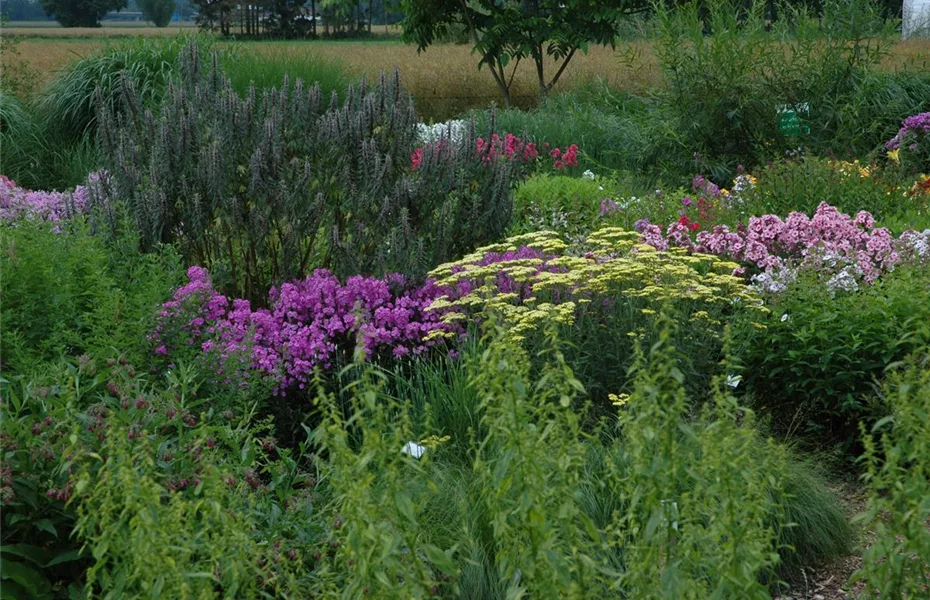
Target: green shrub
x=614 y=130
x=176 y=490
x=814 y=365
x=727 y=89
x=897 y=563
x=96 y=453
x=68 y=293
x=568 y=205
x=262 y=190
x=872 y=110
x=558 y=511
x=38 y=158
x=786 y=186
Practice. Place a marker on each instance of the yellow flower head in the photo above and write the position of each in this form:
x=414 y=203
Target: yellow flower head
x=618 y=400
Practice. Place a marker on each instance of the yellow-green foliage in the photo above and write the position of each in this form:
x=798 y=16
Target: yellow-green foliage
x=611 y=264
x=148 y=543
x=897 y=564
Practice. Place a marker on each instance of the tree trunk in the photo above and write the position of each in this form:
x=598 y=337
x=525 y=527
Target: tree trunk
x=313 y=16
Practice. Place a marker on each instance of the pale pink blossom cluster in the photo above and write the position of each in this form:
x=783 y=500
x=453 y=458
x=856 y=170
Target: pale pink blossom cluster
x=843 y=249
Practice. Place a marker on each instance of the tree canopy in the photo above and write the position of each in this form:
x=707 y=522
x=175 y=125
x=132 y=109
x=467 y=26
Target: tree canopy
x=157 y=11
x=506 y=32
x=80 y=13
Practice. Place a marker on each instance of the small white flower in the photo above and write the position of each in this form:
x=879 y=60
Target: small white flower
x=413 y=449
x=589 y=175
x=734 y=380
x=784 y=317
x=600 y=187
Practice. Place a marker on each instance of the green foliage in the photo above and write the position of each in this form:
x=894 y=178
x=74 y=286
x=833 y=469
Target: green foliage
x=568 y=205
x=268 y=69
x=818 y=527
x=15 y=120
x=18 y=78
x=727 y=89
x=814 y=365
x=614 y=130
x=801 y=185
x=696 y=505
x=897 y=563
x=175 y=490
x=260 y=191
x=200 y=544
x=871 y=111
x=157 y=11
x=80 y=13
x=40 y=157
x=529 y=502
x=530 y=465
x=69 y=293
x=98 y=438
x=509 y=32
x=379 y=543
x=70 y=100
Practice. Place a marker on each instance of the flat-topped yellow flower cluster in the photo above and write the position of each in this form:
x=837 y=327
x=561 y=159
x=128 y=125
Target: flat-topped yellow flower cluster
x=611 y=268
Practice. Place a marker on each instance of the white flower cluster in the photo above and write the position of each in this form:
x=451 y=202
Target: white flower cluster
x=453 y=131
x=844 y=281
x=917 y=242
x=589 y=175
x=774 y=281
x=743 y=186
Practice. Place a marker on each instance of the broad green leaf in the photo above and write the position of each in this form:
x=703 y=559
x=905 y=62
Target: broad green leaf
x=30 y=579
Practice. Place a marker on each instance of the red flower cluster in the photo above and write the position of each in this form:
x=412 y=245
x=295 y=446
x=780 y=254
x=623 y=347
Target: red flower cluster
x=509 y=147
x=565 y=158
x=686 y=222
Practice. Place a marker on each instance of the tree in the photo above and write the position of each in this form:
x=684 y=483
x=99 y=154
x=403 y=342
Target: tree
x=505 y=32
x=80 y=13
x=215 y=15
x=157 y=11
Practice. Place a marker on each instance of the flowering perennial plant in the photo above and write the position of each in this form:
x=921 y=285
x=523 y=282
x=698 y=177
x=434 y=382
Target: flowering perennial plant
x=911 y=145
x=19 y=203
x=312 y=322
x=912 y=129
x=496 y=148
x=843 y=249
x=533 y=278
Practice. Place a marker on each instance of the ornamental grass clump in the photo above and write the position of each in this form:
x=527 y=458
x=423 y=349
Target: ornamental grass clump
x=265 y=187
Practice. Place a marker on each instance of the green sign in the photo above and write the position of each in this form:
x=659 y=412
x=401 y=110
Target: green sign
x=789 y=123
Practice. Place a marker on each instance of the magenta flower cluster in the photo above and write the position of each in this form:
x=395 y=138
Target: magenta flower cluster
x=512 y=148
x=840 y=247
x=311 y=322
x=19 y=203
x=912 y=128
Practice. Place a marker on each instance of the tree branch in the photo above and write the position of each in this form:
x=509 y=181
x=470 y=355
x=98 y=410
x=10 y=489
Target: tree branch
x=514 y=73
x=558 y=73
